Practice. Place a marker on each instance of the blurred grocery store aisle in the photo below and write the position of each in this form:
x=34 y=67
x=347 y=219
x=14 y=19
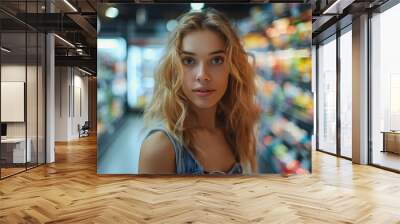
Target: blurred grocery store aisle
x=277 y=38
x=122 y=155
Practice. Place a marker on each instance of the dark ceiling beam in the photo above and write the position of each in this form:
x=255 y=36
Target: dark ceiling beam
x=84 y=24
x=91 y=5
x=79 y=19
x=62 y=6
x=81 y=61
x=337 y=7
x=205 y=1
x=49 y=22
x=320 y=22
x=331 y=30
x=15 y=18
x=64 y=51
x=227 y=1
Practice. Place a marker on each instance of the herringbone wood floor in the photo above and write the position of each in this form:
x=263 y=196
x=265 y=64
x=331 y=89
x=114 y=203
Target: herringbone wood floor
x=70 y=191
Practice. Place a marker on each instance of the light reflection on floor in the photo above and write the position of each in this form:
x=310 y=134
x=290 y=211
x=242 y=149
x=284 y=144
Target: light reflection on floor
x=122 y=156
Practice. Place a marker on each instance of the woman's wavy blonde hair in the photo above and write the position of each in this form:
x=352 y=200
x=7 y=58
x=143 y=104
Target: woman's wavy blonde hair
x=236 y=110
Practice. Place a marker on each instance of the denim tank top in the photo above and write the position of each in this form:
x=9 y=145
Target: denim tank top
x=186 y=162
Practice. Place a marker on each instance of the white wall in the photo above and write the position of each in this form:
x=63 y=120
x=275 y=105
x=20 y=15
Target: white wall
x=33 y=127
x=61 y=103
x=81 y=100
x=71 y=93
x=12 y=73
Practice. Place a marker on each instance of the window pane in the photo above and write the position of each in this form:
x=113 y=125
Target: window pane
x=346 y=94
x=327 y=97
x=385 y=89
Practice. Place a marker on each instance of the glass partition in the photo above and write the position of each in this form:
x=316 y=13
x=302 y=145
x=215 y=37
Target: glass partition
x=22 y=64
x=31 y=98
x=13 y=105
x=41 y=109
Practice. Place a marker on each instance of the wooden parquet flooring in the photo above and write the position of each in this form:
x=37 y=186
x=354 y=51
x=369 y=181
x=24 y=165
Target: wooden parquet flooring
x=10 y=171
x=70 y=191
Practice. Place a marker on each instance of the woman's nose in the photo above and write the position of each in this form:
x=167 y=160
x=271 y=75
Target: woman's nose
x=202 y=73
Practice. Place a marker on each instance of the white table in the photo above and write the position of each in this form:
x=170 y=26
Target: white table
x=19 y=149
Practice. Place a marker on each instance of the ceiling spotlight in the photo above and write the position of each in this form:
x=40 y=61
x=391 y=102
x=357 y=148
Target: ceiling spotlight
x=84 y=71
x=70 y=5
x=79 y=51
x=112 y=12
x=98 y=25
x=65 y=41
x=5 y=50
x=171 y=24
x=196 y=6
x=337 y=7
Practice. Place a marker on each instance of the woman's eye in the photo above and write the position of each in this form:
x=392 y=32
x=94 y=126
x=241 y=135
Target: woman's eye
x=188 y=61
x=217 y=60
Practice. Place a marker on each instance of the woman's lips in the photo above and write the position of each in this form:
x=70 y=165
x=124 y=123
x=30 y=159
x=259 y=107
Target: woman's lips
x=203 y=93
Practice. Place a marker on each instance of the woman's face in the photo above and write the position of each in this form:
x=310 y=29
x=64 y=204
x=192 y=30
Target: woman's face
x=205 y=70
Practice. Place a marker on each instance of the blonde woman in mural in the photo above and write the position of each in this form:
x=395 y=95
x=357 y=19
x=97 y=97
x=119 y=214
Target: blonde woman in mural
x=203 y=111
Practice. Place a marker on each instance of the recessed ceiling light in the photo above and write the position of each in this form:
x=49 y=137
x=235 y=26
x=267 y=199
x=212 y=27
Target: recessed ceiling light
x=84 y=71
x=196 y=6
x=112 y=12
x=171 y=24
x=337 y=7
x=5 y=49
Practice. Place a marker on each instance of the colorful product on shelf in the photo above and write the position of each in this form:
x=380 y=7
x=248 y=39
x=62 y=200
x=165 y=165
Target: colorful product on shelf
x=142 y=62
x=279 y=36
x=111 y=84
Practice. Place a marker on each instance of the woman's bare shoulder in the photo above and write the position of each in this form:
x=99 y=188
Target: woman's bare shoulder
x=157 y=155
